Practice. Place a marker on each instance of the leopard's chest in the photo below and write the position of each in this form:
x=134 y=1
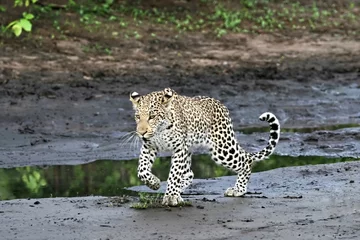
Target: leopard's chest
x=170 y=140
x=166 y=140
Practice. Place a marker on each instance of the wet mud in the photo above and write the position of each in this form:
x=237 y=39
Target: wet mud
x=80 y=124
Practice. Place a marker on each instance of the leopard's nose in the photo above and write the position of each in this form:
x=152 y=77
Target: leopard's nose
x=142 y=131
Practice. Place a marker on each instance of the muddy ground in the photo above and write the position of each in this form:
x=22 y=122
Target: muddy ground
x=63 y=106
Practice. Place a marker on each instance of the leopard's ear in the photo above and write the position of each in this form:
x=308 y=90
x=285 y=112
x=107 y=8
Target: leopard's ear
x=168 y=96
x=134 y=98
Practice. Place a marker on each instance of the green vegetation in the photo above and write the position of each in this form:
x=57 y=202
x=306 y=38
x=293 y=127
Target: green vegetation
x=109 y=178
x=21 y=24
x=24 y=23
x=132 y=19
x=149 y=200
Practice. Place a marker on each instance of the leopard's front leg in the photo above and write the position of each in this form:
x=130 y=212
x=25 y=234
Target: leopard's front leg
x=174 y=183
x=188 y=175
x=146 y=160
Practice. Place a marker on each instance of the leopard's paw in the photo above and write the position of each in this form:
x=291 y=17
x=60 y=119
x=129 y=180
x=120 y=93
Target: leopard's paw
x=172 y=200
x=154 y=183
x=233 y=192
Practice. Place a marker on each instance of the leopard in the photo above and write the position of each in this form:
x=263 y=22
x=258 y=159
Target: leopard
x=169 y=122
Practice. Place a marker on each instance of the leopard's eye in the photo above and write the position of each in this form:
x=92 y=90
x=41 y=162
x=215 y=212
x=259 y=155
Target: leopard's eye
x=152 y=116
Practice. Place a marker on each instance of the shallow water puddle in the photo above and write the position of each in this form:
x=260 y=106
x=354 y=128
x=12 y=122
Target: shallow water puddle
x=108 y=177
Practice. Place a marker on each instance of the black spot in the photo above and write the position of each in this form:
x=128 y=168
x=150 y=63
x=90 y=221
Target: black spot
x=225 y=153
x=232 y=151
x=221 y=158
x=274 y=135
x=271 y=120
x=229 y=158
x=273 y=143
x=274 y=126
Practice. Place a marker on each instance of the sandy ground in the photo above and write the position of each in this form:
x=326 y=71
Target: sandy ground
x=65 y=107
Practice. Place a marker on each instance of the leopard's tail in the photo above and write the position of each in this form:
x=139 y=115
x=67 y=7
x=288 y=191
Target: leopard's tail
x=273 y=138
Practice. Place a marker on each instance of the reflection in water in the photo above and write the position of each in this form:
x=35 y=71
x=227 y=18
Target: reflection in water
x=108 y=178
x=249 y=130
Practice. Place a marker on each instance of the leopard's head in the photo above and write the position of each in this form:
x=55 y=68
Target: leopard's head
x=150 y=112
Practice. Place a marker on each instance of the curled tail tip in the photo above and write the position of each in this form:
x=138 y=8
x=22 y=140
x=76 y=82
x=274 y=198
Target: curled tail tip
x=273 y=138
x=269 y=117
x=274 y=126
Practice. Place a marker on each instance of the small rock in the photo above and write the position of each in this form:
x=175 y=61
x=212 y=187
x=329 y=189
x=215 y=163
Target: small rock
x=247 y=220
x=105 y=225
x=293 y=197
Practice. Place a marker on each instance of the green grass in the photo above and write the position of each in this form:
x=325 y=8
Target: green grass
x=150 y=200
x=214 y=17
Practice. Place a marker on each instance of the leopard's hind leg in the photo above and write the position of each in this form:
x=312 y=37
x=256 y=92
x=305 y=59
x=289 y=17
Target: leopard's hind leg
x=232 y=156
x=227 y=152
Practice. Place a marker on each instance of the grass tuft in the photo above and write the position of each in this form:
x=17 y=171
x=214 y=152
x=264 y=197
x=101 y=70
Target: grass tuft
x=149 y=200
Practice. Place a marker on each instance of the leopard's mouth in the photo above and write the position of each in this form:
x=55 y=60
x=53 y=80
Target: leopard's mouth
x=146 y=136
